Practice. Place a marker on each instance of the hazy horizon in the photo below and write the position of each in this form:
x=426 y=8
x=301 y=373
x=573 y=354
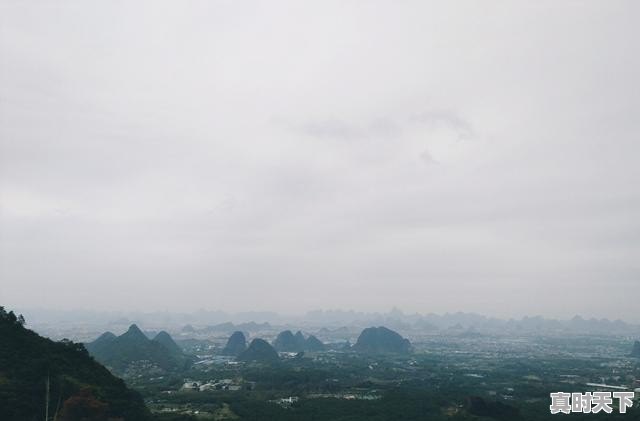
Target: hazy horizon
x=273 y=315
x=431 y=156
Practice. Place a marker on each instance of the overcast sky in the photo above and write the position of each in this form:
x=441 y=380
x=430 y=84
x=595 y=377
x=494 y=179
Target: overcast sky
x=289 y=156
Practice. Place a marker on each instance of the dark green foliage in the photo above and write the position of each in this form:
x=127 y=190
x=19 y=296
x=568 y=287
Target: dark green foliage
x=402 y=405
x=175 y=417
x=377 y=340
x=27 y=359
x=476 y=405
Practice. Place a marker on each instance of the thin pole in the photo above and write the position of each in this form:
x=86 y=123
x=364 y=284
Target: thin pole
x=46 y=406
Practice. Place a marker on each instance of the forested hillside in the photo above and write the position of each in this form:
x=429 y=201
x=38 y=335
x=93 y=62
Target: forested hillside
x=79 y=387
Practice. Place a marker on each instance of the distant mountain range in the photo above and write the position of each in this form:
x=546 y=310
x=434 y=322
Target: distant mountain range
x=28 y=361
x=425 y=323
x=373 y=340
x=326 y=325
x=119 y=352
x=226 y=327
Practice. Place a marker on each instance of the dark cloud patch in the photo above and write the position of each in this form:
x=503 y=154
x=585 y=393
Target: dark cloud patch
x=378 y=128
x=333 y=129
x=436 y=119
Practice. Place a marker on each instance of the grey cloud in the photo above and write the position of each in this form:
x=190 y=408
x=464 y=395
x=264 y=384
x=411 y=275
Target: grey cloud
x=378 y=128
x=444 y=118
x=334 y=129
x=237 y=149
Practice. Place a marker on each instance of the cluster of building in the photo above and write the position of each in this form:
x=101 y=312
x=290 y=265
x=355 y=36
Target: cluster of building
x=286 y=402
x=365 y=396
x=221 y=384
